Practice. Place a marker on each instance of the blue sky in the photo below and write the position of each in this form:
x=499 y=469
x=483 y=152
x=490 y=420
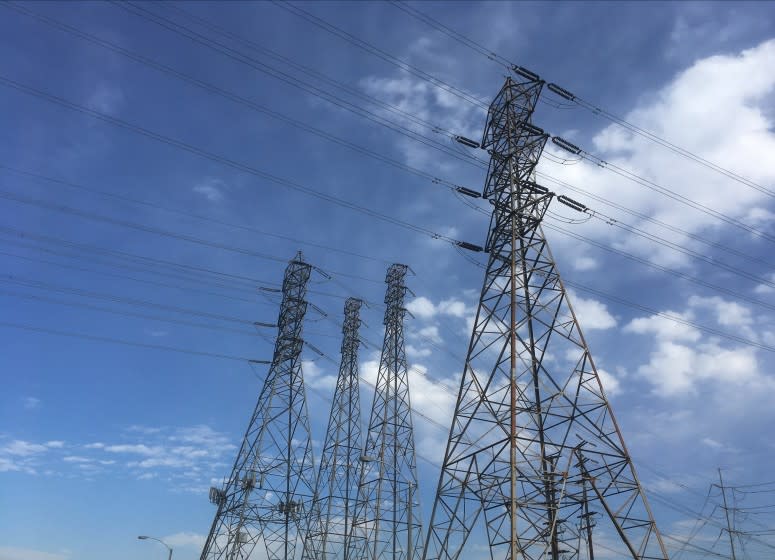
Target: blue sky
x=101 y=441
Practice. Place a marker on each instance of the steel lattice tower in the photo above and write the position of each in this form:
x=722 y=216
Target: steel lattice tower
x=340 y=464
x=533 y=443
x=387 y=521
x=270 y=492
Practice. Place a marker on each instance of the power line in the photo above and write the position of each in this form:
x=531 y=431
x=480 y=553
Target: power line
x=245 y=101
x=379 y=53
x=33 y=328
x=574 y=99
x=433 y=179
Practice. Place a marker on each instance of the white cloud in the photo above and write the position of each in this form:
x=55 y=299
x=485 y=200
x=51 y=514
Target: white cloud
x=210 y=188
x=140 y=449
x=585 y=263
x=414 y=352
x=23 y=448
x=592 y=314
x=106 y=98
x=663 y=328
x=741 y=137
x=193 y=540
x=611 y=384
x=712 y=443
x=14 y=553
x=31 y=403
x=431 y=332
x=315 y=377
x=728 y=313
x=422 y=308
x=55 y=444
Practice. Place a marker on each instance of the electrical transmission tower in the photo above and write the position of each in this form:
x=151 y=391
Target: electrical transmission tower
x=340 y=464
x=270 y=492
x=533 y=447
x=387 y=521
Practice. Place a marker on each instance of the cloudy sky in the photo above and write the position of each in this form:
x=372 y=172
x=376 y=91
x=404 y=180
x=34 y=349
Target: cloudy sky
x=157 y=172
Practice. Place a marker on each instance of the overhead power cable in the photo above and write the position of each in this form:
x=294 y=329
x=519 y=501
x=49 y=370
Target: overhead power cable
x=379 y=53
x=292 y=80
x=220 y=159
x=575 y=99
x=167 y=70
x=95 y=338
x=443 y=182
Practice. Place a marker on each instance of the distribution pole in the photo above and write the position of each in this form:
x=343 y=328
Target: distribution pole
x=726 y=512
x=269 y=494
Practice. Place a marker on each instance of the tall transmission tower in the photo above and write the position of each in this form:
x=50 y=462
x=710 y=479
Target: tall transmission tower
x=270 y=492
x=387 y=524
x=340 y=464
x=533 y=445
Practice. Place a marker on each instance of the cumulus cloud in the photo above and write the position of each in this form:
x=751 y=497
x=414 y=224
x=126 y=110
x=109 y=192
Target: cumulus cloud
x=684 y=363
x=740 y=137
x=210 y=188
x=592 y=314
x=31 y=403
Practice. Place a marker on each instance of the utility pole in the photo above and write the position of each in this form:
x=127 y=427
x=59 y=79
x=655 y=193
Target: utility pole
x=269 y=494
x=340 y=464
x=530 y=394
x=726 y=512
x=389 y=458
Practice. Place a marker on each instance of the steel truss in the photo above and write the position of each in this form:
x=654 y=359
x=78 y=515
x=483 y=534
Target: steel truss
x=340 y=464
x=534 y=451
x=270 y=492
x=387 y=521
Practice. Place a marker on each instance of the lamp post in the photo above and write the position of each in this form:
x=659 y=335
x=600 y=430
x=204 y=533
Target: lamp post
x=146 y=538
x=410 y=498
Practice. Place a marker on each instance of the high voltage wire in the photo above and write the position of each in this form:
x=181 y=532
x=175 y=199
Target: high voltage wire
x=291 y=80
x=672 y=271
x=636 y=231
x=221 y=159
x=614 y=222
x=491 y=55
x=245 y=251
x=241 y=100
x=370 y=48
x=95 y=338
x=154 y=261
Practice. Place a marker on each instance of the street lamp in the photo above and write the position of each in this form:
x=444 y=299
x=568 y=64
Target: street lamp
x=410 y=498
x=146 y=537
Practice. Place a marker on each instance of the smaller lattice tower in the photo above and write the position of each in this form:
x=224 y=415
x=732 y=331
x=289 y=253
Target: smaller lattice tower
x=387 y=521
x=270 y=492
x=340 y=464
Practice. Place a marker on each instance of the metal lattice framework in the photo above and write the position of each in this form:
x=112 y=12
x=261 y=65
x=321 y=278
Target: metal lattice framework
x=270 y=492
x=340 y=465
x=534 y=451
x=387 y=520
